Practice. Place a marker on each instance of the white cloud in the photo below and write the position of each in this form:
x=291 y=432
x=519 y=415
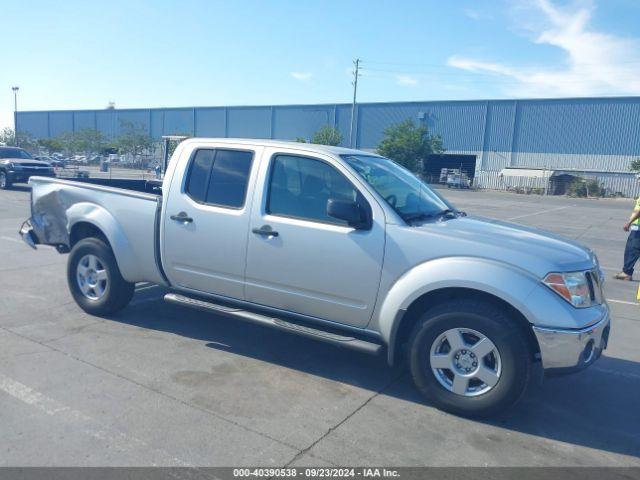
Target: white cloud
x=476 y=15
x=302 y=76
x=597 y=63
x=406 y=80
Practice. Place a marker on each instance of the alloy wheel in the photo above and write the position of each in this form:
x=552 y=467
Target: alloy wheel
x=92 y=277
x=465 y=362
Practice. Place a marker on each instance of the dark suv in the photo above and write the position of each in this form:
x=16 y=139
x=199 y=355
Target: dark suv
x=17 y=165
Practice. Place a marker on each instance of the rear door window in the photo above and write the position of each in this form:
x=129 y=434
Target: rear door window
x=229 y=178
x=219 y=177
x=198 y=177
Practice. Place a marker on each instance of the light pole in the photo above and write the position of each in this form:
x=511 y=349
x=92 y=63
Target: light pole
x=356 y=74
x=15 y=113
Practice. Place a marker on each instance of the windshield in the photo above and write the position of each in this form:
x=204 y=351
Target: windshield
x=409 y=196
x=15 y=153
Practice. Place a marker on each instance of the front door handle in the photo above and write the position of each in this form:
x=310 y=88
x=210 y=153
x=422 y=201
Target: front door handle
x=265 y=231
x=182 y=217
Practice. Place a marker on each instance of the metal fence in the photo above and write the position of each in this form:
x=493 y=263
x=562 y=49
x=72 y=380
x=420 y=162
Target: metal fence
x=580 y=184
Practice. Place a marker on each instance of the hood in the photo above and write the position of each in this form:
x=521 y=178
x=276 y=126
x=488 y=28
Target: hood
x=26 y=162
x=532 y=249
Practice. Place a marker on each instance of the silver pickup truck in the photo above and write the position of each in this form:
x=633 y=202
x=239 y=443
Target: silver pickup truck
x=343 y=246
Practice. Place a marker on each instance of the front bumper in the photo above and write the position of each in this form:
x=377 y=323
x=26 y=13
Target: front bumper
x=22 y=176
x=568 y=350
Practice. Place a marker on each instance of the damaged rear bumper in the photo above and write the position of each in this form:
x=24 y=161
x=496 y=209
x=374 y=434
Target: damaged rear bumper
x=28 y=235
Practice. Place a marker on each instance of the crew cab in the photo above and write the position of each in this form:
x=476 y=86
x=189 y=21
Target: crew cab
x=17 y=166
x=342 y=246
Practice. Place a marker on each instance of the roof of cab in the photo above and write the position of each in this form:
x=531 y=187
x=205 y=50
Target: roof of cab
x=309 y=147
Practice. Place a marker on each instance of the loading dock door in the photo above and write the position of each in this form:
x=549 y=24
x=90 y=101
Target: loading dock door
x=435 y=163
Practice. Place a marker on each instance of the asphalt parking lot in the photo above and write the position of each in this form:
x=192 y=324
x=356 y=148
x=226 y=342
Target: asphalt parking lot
x=162 y=385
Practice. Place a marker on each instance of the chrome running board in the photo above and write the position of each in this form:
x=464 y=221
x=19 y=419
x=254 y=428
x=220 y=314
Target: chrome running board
x=278 y=323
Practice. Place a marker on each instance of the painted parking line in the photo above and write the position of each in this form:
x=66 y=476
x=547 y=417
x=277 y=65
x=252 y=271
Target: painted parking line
x=11 y=239
x=612 y=269
x=623 y=302
x=145 y=286
x=53 y=408
x=540 y=212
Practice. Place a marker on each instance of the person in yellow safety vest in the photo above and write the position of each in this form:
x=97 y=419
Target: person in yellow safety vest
x=632 y=249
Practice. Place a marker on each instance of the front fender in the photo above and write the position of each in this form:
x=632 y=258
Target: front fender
x=504 y=281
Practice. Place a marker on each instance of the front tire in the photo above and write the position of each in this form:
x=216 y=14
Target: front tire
x=94 y=278
x=5 y=183
x=469 y=358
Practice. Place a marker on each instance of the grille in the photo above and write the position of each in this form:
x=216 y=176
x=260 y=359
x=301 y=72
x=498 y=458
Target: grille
x=595 y=286
x=31 y=165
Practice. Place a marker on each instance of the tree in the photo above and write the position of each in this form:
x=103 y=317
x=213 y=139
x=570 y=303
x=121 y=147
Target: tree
x=134 y=138
x=635 y=165
x=86 y=141
x=327 y=135
x=409 y=144
x=52 y=144
x=25 y=140
x=7 y=136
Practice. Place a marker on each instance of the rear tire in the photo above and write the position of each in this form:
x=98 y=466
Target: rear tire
x=94 y=278
x=459 y=374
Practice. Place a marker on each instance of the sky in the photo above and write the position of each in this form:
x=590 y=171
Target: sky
x=160 y=53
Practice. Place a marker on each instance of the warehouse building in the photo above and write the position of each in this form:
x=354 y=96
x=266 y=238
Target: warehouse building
x=489 y=139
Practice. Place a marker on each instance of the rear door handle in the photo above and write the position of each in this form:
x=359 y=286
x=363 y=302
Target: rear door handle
x=182 y=217
x=265 y=231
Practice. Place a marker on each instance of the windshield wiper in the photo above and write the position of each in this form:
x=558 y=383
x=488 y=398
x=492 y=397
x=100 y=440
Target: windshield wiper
x=424 y=215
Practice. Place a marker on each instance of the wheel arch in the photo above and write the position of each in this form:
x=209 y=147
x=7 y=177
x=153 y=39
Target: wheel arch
x=407 y=319
x=443 y=278
x=83 y=229
x=86 y=220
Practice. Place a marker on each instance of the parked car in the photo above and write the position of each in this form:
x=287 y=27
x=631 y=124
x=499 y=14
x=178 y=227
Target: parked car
x=17 y=166
x=342 y=246
x=53 y=161
x=455 y=178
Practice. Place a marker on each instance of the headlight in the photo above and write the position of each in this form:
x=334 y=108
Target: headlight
x=572 y=286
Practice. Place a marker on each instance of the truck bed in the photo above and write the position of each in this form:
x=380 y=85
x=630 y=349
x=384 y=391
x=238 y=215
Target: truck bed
x=128 y=218
x=136 y=185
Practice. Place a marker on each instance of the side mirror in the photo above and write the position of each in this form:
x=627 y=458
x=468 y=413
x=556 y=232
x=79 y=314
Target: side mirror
x=349 y=211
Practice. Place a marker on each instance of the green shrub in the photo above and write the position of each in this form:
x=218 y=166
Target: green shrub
x=579 y=187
